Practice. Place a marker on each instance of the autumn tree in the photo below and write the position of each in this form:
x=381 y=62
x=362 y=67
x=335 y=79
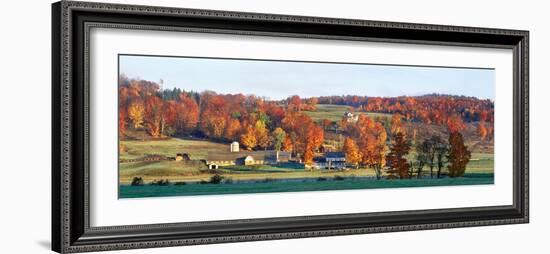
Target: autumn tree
x=123 y=99
x=398 y=164
x=276 y=114
x=294 y=103
x=122 y=115
x=380 y=148
x=455 y=124
x=397 y=125
x=214 y=116
x=316 y=135
x=458 y=155
x=170 y=113
x=136 y=113
x=232 y=130
x=351 y=150
x=313 y=140
x=306 y=136
x=154 y=119
x=483 y=115
x=187 y=114
x=287 y=144
x=278 y=135
x=311 y=104
x=261 y=134
x=482 y=131
x=370 y=137
x=248 y=138
x=295 y=124
x=308 y=154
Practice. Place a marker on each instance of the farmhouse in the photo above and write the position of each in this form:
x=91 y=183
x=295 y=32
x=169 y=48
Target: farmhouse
x=319 y=162
x=336 y=160
x=331 y=160
x=350 y=117
x=236 y=157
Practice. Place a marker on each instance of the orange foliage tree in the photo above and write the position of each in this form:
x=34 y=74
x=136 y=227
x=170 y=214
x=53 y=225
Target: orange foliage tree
x=214 y=117
x=306 y=136
x=248 y=138
x=294 y=103
x=370 y=137
x=397 y=125
x=482 y=130
x=351 y=150
x=187 y=114
x=232 y=130
x=154 y=119
x=287 y=144
x=455 y=124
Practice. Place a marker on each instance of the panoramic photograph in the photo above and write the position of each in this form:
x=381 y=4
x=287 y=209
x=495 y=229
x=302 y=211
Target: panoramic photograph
x=213 y=126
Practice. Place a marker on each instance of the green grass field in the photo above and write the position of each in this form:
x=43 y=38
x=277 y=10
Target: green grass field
x=336 y=112
x=197 y=171
x=127 y=191
x=169 y=147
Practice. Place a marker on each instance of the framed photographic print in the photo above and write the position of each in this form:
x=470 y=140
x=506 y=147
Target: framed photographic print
x=181 y=126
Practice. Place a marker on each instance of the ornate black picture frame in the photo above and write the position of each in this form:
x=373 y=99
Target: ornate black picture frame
x=71 y=230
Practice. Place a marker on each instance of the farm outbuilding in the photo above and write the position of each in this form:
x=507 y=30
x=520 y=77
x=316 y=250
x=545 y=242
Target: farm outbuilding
x=249 y=160
x=234 y=147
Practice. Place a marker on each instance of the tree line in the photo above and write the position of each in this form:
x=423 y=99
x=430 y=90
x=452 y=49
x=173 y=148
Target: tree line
x=433 y=108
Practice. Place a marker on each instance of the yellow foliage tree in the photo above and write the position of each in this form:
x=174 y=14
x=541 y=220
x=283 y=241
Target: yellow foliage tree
x=278 y=137
x=248 y=138
x=136 y=113
x=262 y=134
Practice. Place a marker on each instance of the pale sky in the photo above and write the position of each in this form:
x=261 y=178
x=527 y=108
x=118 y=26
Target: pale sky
x=280 y=79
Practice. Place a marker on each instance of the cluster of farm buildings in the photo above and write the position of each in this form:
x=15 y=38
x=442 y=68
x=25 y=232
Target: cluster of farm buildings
x=234 y=156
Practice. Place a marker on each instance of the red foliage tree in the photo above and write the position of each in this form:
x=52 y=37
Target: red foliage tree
x=458 y=155
x=294 y=103
x=455 y=124
x=398 y=164
x=154 y=116
x=122 y=121
x=187 y=114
